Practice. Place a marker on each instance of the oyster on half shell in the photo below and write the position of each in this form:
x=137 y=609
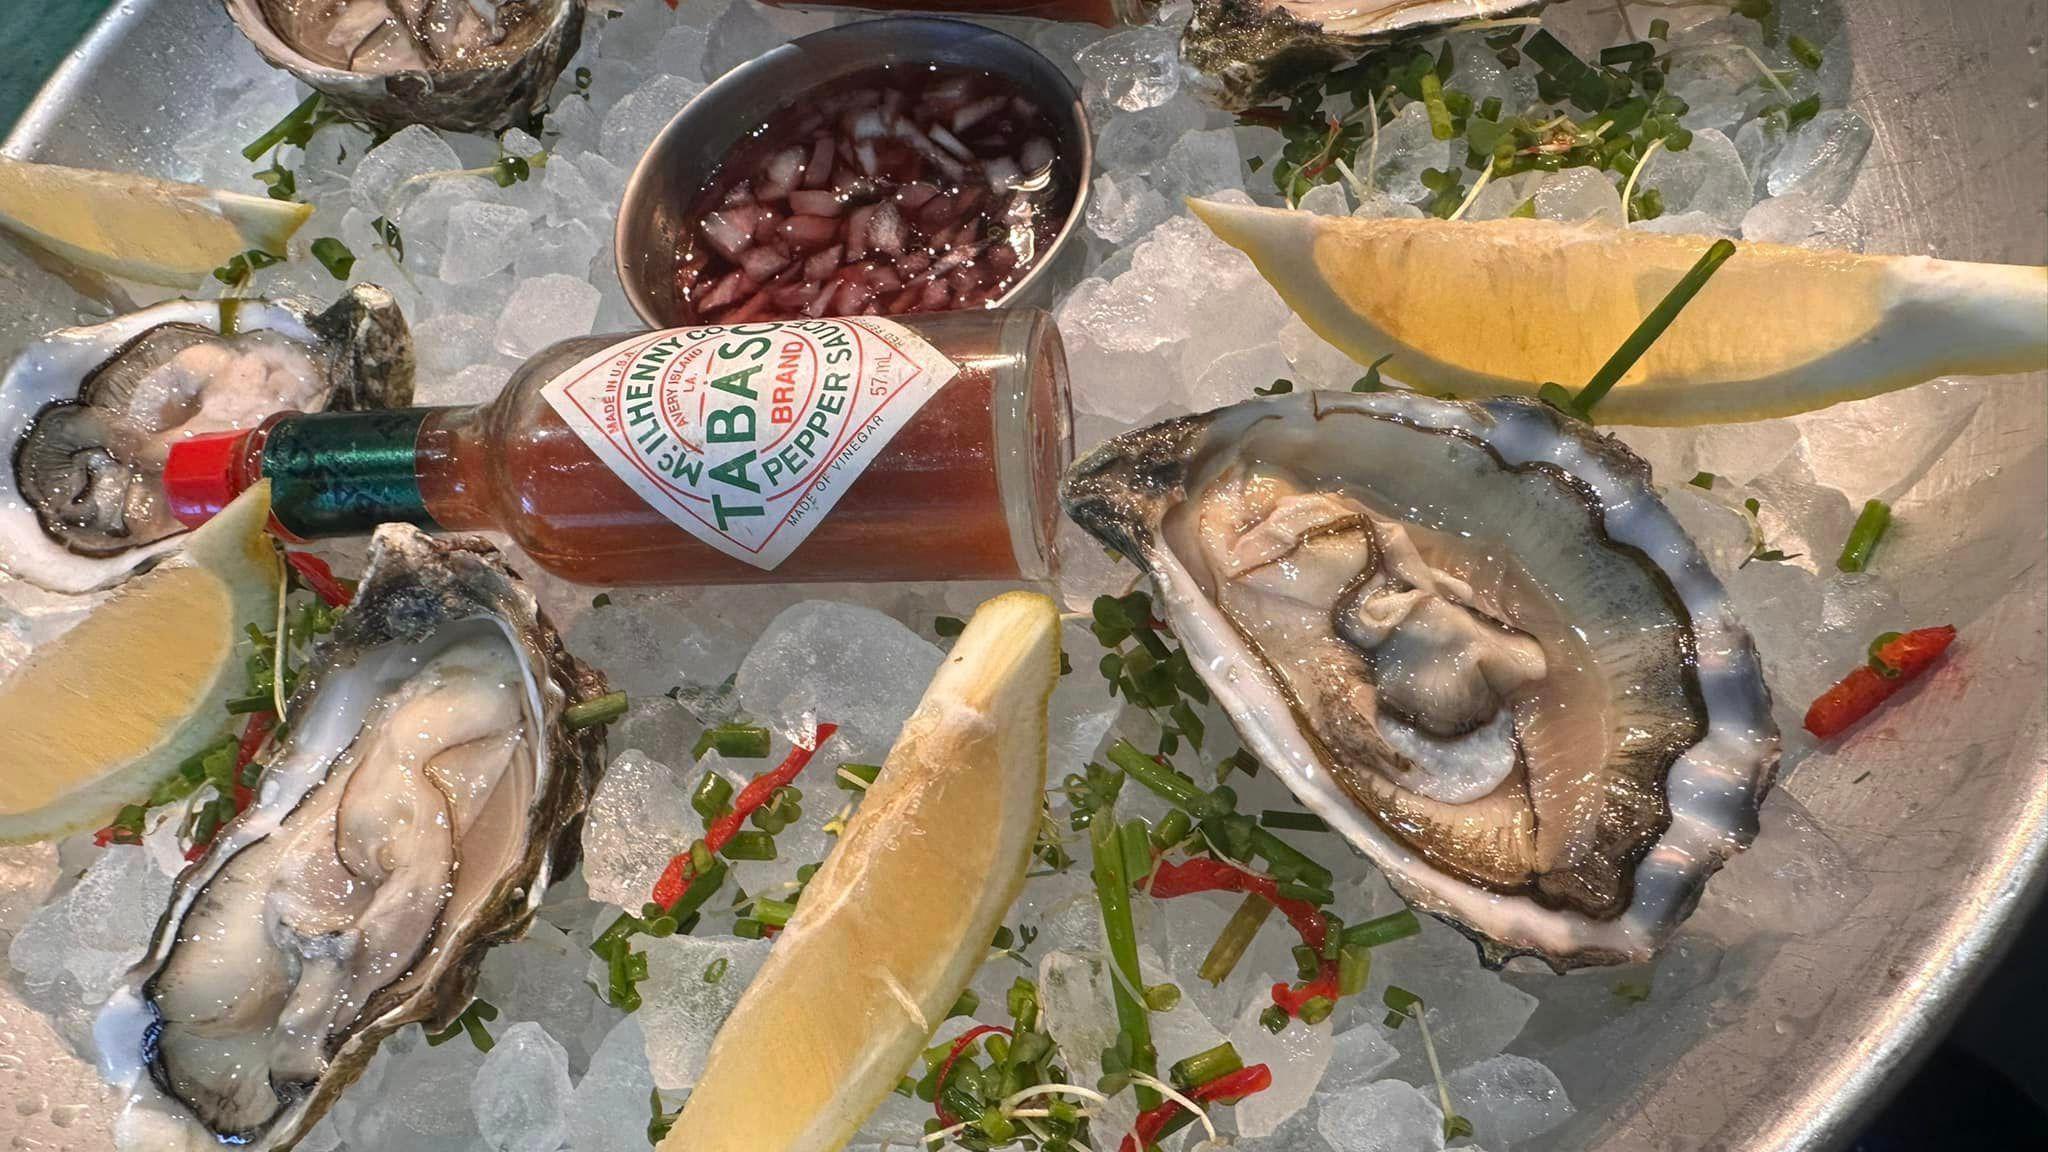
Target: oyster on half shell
x=88 y=415
x=463 y=65
x=1470 y=637
x=425 y=796
x=1253 y=51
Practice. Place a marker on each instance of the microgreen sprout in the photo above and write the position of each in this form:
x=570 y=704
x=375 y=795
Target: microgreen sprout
x=1404 y=1005
x=471 y=1023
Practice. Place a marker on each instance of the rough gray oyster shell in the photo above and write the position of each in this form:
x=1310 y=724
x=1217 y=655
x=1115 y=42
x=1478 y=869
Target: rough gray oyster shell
x=463 y=65
x=427 y=793
x=1471 y=638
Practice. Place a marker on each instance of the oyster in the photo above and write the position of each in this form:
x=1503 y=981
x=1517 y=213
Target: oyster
x=414 y=816
x=89 y=415
x=1469 y=637
x=463 y=65
x=1258 y=50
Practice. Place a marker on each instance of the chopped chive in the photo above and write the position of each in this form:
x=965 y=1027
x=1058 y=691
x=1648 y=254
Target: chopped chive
x=334 y=256
x=1171 y=829
x=1439 y=113
x=1235 y=939
x=1283 y=858
x=1383 y=930
x=857 y=777
x=1702 y=480
x=1354 y=965
x=947 y=627
x=1804 y=51
x=750 y=845
x=1875 y=654
x=1112 y=893
x=293 y=121
x=592 y=713
x=776 y=913
x=601 y=600
x=255 y=702
x=1203 y=1067
x=1162 y=997
x=1274 y=1019
x=1660 y=29
x=734 y=741
x=1307 y=962
x=1870 y=528
x=1317 y=1009
x=747 y=928
x=715 y=971
x=1640 y=52
x=1292 y=821
x=967 y=1005
x=713 y=797
x=1803 y=111
x=1652 y=327
x=1313 y=894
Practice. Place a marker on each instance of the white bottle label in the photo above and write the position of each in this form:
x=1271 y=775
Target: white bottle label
x=746 y=436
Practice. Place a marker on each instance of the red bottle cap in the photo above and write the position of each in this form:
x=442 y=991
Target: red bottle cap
x=200 y=475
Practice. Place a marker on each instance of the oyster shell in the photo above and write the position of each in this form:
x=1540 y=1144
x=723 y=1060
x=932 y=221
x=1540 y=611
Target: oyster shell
x=463 y=65
x=88 y=415
x=1258 y=50
x=1470 y=637
x=425 y=797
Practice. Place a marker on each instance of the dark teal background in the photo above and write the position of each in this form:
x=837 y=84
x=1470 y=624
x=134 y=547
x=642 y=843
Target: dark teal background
x=34 y=36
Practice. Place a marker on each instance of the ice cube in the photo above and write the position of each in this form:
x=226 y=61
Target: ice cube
x=1297 y=1134
x=1074 y=994
x=566 y=251
x=681 y=1009
x=539 y=978
x=521 y=1094
x=1794 y=880
x=1758 y=142
x=1579 y=194
x=450 y=342
x=476 y=384
x=746 y=30
x=544 y=310
x=1317 y=363
x=1687 y=224
x=1088 y=569
x=1385 y=1116
x=1131 y=70
x=1121 y=210
x=1739 y=453
x=681 y=51
x=1707 y=178
x=635 y=30
x=842 y=663
x=1298 y=1058
x=1232 y=376
x=1377 y=205
x=1200 y=164
x=1394 y=159
x=1134 y=141
x=397 y=164
x=609 y=1109
x=1719 y=86
x=1122 y=385
x=1358 y=1055
x=1820 y=159
x=1472 y=1013
x=482 y=238
x=636 y=120
x=1190 y=927
x=95 y=931
x=28 y=874
x=639 y=819
x=419 y=1095
x=1915 y=426
x=1326 y=200
x=1509 y=1099
x=575 y=197
x=1803 y=221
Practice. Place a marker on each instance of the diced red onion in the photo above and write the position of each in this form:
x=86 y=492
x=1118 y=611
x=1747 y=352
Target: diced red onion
x=808 y=233
x=885 y=229
x=805 y=202
x=1037 y=154
x=728 y=231
x=822 y=265
x=978 y=111
x=858 y=226
x=818 y=171
x=1002 y=173
x=780 y=174
x=725 y=293
x=762 y=263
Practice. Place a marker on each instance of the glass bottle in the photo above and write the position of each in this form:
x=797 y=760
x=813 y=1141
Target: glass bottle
x=922 y=448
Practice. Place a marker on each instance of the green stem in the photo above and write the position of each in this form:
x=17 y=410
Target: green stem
x=591 y=713
x=1383 y=930
x=1870 y=528
x=282 y=128
x=1203 y=1067
x=1236 y=937
x=1652 y=327
x=1113 y=891
x=1185 y=794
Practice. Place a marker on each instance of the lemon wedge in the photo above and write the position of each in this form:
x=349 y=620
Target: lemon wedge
x=139 y=227
x=895 y=924
x=1500 y=306
x=97 y=717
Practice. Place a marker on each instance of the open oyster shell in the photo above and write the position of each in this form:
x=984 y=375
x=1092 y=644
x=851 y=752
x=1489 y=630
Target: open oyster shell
x=1468 y=636
x=427 y=793
x=87 y=416
x=463 y=65
x=1258 y=50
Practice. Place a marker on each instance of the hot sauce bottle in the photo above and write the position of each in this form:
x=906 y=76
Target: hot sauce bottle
x=864 y=449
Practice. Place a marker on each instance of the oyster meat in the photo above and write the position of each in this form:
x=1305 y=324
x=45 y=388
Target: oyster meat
x=89 y=415
x=463 y=65
x=413 y=817
x=1253 y=51
x=1470 y=637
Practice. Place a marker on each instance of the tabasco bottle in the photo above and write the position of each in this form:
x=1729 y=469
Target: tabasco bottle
x=865 y=449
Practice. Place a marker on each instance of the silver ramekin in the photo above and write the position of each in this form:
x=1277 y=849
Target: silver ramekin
x=685 y=156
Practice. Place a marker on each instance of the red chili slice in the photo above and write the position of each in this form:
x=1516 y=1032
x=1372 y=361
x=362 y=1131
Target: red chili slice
x=1234 y=1087
x=1863 y=690
x=674 y=883
x=319 y=577
x=960 y=1045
